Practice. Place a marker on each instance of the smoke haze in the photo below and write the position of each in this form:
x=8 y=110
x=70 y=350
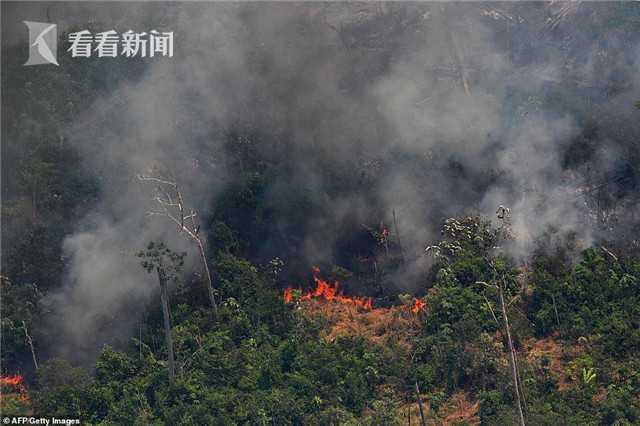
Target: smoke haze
x=442 y=108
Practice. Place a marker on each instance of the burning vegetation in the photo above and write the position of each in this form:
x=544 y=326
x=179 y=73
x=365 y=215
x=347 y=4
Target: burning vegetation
x=11 y=380
x=329 y=292
x=326 y=291
x=418 y=305
x=12 y=387
x=354 y=315
x=259 y=162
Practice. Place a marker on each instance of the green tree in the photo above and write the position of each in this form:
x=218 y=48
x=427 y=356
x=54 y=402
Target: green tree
x=167 y=264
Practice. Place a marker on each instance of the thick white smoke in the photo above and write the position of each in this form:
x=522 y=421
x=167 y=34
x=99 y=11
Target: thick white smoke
x=450 y=87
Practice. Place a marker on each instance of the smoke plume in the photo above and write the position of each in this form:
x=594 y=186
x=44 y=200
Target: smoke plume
x=437 y=109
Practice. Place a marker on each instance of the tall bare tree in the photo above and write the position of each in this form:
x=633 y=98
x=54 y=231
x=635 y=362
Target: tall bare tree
x=29 y=341
x=500 y=288
x=170 y=204
x=512 y=351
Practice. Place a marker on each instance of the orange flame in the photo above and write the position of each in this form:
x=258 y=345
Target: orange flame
x=329 y=292
x=288 y=295
x=11 y=380
x=418 y=305
x=16 y=383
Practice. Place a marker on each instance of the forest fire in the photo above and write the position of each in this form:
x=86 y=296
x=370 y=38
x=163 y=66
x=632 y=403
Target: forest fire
x=11 y=380
x=329 y=292
x=418 y=305
x=15 y=383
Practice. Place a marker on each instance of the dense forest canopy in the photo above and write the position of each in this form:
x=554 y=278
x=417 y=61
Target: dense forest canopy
x=325 y=213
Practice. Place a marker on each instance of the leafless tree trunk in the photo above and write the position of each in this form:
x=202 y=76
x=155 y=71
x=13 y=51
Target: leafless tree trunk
x=164 y=298
x=30 y=343
x=422 y=419
x=207 y=274
x=503 y=214
x=169 y=198
x=555 y=310
x=514 y=368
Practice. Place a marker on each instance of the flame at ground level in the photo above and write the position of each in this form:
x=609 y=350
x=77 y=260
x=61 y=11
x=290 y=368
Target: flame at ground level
x=11 y=380
x=418 y=305
x=330 y=292
x=14 y=382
